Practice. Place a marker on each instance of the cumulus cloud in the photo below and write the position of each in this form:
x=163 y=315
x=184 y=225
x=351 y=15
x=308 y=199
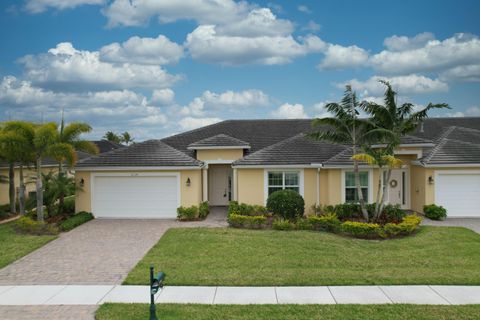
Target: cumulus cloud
x=163 y=96
x=466 y=73
x=312 y=26
x=434 y=56
x=403 y=84
x=38 y=6
x=290 y=111
x=72 y=69
x=190 y=123
x=470 y=112
x=154 y=51
x=339 y=57
x=403 y=43
x=303 y=8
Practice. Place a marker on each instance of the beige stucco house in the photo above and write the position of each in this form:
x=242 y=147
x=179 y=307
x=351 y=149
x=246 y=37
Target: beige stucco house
x=246 y=160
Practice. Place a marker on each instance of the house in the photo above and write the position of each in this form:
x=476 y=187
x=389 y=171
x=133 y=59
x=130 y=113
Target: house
x=246 y=160
x=48 y=165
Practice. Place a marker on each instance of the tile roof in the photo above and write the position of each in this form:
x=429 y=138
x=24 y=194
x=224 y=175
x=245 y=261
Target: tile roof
x=105 y=145
x=219 y=140
x=144 y=154
x=298 y=149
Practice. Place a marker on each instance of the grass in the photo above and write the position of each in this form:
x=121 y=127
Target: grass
x=222 y=256
x=14 y=246
x=357 y=312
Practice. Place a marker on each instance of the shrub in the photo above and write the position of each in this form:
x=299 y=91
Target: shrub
x=327 y=222
x=320 y=210
x=286 y=203
x=242 y=221
x=346 y=211
x=203 y=209
x=27 y=225
x=283 y=224
x=408 y=225
x=246 y=209
x=303 y=224
x=434 y=212
x=187 y=213
x=69 y=205
x=361 y=229
x=75 y=220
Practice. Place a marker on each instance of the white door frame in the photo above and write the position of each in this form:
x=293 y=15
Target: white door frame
x=406 y=188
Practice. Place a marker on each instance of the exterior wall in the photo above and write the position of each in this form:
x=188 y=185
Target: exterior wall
x=310 y=188
x=28 y=175
x=219 y=154
x=189 y=195
x=250 y=186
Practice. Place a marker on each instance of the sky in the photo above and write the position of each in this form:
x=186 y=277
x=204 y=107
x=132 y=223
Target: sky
x=160 y=67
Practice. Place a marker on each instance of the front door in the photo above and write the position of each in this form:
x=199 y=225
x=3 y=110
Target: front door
x=219 y=184
x=398 y=188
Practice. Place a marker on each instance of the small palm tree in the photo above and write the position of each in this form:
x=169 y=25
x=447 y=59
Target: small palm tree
x=127 y=138
x=113 y=137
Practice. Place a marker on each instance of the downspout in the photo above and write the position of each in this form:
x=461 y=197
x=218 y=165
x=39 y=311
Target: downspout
x=205 y=183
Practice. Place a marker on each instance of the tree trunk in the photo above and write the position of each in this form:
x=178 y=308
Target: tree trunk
x=379 y=191
x=39 y=189
x=11 y=188
x=21 y=193
x=359 y=190
x=384 y=192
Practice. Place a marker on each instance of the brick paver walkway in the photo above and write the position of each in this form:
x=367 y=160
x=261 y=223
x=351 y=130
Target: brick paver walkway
x=469 y=223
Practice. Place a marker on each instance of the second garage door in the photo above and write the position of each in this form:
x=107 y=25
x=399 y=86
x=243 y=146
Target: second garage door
x=133 y=196
x=459 y=193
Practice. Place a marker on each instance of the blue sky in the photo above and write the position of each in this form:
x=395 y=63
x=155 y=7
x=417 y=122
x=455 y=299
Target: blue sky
x=158 y=67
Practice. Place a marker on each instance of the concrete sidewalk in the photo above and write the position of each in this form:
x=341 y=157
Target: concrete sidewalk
x=97 y=294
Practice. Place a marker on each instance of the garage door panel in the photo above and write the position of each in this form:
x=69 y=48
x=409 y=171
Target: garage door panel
x=459 y=193
x=135 y=196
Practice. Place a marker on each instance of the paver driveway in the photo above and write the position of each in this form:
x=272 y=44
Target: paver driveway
x=469 y=223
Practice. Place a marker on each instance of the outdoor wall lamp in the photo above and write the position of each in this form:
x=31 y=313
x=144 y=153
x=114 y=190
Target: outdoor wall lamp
x=430 y=180
x=188 y=182
x=81 y=182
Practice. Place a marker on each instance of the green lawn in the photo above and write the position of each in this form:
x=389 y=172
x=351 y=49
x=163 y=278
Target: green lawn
x=222 y=256
x=14 y=246
x=357 y=312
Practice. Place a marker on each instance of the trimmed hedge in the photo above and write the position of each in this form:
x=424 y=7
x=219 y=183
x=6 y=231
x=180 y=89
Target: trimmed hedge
x=193 y=212
x=27 y=225
x=363 y=230
x=75 y=220
x=249 y=222
x=287 y=204
x=434 y=212
x=327 y=222
x=246 y=209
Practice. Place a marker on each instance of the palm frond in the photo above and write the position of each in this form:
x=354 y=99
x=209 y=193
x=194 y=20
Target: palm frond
x=331 y=136
x=86 y=146
x=73 y=130
x=364 y=157
x=63 y=152
x=392 y=162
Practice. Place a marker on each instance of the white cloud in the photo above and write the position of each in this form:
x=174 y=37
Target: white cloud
x=466 y=73
x=154 y=51
x=290 y=111
x=470 y=112
x=206 y=45
x=139 y=12
x=194 y=108
x=320 y=110
x=163 y=96
x=339 y=57
x=66 y=67
x=403 y=43
x=38 y=6
x=190 y=123
x=312 y=26
x=303 y=8
x=402 y=84
x=460 y=50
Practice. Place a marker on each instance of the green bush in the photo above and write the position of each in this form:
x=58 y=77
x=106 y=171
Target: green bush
x=29 y=226
x=303 y=224
x=320 y=210
x=187 y=213
x=203 y=210
x=434 y=212
x=327 y=222
x=346 y=211
x=408 y=225
x=246 y=209
x=361 y=229
x=69 y=205
x=75 y=220
x=283 y=224
x=243 y=221
x=288 y=204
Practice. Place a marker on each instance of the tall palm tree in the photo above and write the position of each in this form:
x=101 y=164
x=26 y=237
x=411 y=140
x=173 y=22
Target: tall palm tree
x=46 y=143
x=20 y=138
x=396 y=122
x=345 y=128
x=127 y=138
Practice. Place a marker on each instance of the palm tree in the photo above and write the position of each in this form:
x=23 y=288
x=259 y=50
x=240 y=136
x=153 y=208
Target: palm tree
x=20 y=138
x=345 y=128
x=113 y=137
x=126 y=138
x=395 y=121
x=45 y=144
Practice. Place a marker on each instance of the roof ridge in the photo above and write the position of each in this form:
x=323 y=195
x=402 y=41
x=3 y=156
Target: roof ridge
x=435 y=150
x=347 y=148
x=194 y=130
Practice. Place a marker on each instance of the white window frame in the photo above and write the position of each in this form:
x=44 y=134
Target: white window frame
x=370 y=184
x=283 y=170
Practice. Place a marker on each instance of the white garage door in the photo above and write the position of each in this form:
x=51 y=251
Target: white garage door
x=153 y=197
x=459 y=193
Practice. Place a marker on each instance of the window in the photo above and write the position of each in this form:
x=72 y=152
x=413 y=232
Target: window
x=351 y=189
x=280 y=180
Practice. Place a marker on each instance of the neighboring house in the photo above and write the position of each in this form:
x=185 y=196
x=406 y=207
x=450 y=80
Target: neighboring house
x=246 y=160
x=48 y=165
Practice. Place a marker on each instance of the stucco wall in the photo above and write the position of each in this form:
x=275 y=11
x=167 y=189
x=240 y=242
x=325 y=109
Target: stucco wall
x=310 y=188
x=189 y=195
x=219 y=154
x=250 y=186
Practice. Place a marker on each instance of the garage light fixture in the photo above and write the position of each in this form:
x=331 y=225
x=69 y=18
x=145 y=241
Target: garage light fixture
x=430 y=180
x=81 y=183
x=188 y=182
